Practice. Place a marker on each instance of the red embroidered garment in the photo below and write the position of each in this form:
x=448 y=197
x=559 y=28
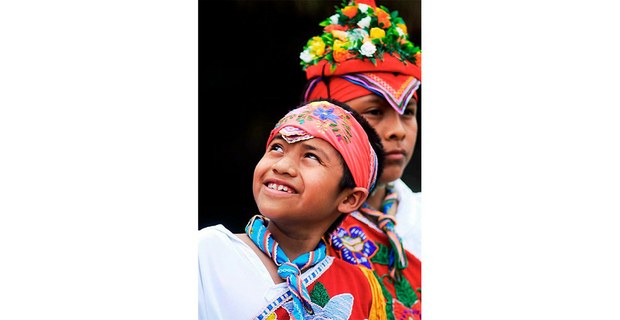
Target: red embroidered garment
x=337 y=291
x=358 y=241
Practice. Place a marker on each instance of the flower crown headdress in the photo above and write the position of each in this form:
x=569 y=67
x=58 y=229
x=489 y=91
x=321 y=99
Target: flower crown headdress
x=360 y=30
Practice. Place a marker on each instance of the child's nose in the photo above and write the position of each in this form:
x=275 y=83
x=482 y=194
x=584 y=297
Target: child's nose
x=285 y=165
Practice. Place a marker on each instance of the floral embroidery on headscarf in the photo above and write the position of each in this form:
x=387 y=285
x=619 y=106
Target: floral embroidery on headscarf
x=327 y=120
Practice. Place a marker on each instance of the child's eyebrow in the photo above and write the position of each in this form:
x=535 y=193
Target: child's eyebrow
x=310 y=147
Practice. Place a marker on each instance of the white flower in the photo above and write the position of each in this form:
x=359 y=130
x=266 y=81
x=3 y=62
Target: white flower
x=364 y=23
x=368 y=49
x=363 y=7
x=334 y=19
x=357 y=34
x=400 y=31
x=305 y=56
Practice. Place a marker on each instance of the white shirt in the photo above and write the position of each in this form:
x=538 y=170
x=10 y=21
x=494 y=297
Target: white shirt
x=233 y=283
x=408 y=218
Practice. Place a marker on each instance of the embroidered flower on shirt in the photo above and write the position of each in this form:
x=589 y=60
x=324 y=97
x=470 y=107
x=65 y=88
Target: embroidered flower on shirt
x=339 y=307
x=353 y=246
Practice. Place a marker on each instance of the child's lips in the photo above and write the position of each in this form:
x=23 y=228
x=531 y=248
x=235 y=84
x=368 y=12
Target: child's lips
x=396 y=155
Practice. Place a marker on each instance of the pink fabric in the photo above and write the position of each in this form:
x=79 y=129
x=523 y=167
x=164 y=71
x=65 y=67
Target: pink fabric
x=324 y=120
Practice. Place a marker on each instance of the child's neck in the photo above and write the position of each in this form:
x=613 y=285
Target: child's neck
x=294 y=244
x=375 y=199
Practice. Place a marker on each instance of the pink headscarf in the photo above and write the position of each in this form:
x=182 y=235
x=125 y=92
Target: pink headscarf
x=327 y=121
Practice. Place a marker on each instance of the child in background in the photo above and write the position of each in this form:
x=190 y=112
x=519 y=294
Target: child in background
x=321 y=161
x=365 y=59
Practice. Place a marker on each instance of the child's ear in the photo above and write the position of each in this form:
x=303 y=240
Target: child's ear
x=354 y=200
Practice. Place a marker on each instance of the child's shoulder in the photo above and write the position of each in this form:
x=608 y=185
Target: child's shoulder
x=211 y=236
x=217 y=230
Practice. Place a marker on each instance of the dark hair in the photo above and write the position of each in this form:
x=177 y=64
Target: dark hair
x=347 y=180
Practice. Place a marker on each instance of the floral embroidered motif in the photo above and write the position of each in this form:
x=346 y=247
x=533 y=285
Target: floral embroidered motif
x=326 y=114
x=325 y=119
x=353 y=246
x=339 y=307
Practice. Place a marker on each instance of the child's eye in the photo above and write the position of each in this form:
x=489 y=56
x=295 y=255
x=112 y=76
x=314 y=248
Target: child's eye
x=409 y=112
x=312 y=156
x=276 y=147
x=373 y=112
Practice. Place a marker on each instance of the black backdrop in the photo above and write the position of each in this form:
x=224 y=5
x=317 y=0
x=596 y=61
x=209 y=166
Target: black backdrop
x=249 y=76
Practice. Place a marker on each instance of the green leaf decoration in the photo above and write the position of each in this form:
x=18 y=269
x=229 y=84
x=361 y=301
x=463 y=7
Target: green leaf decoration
x=319 y=295
x=382 y=256
x=405 y=293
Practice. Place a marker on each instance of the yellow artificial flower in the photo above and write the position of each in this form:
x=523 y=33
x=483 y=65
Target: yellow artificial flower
x=377 y=33
x=316 y=46
x=402 y=27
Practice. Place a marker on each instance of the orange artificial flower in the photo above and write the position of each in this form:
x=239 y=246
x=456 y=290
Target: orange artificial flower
x=331 y=27
x=383 y=17
x=340 y=52
x=350 y=11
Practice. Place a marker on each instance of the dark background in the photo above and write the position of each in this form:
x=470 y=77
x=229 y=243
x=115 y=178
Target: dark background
x=249 y=77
